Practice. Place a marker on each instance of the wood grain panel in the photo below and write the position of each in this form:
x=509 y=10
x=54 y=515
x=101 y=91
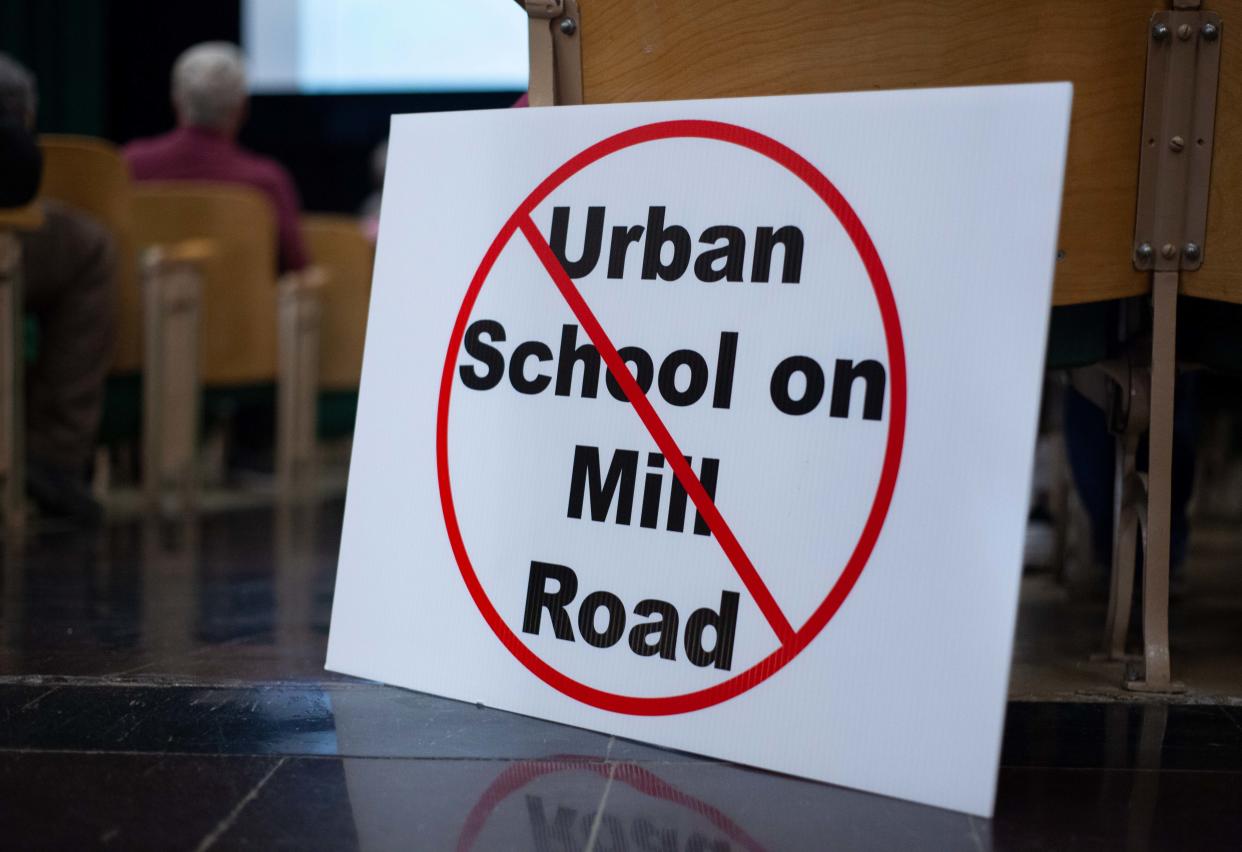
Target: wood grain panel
x=665 y=49
x=337 y=244
x=89 y=174
x=1220 y=276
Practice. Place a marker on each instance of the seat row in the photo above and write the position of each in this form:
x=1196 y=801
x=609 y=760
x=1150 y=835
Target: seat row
x=201 y=307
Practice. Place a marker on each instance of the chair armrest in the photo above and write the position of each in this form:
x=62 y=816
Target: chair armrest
x=28 y=218
x=311 y=279
x=184 y=251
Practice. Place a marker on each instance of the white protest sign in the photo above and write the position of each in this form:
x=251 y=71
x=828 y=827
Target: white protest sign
x=710 y=423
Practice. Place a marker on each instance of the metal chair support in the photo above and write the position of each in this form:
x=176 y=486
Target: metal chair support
x=172 y=392
x=297 y=384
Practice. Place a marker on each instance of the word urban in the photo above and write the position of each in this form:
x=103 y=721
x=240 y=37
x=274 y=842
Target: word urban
x=718 y=263
x=646 y=639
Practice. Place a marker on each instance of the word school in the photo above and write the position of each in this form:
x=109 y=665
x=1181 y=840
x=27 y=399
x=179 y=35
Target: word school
x=797 y=387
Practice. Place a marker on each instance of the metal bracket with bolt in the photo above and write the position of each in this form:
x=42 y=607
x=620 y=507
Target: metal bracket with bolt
x=555 y=52
x=1179 y=117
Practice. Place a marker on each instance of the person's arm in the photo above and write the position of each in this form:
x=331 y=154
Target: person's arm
x=21 y=165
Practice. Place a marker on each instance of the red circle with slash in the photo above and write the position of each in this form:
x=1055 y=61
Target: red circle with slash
x=793 y=641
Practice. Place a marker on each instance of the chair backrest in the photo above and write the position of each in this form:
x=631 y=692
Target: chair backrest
x=338 y=245
x=239 y=294
x=90 y=175
x=633 y=51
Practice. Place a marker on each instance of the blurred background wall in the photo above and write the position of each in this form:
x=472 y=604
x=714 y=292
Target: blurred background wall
x=103 y=70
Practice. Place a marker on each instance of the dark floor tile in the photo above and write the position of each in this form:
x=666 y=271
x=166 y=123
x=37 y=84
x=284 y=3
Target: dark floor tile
x=1090 y=810
x=258 y=658
x=163 y=685
x=238 y=594
x=424 y=804
x=201 y=720
x=385 y=721
x=119 y=801
x=717 y=806
x=255 y=659
x=555 y=806
x=130 y=801
x=1234 y=715
x=1121 y=736
x=364 y=720
x=68 y=662
x=305 y=805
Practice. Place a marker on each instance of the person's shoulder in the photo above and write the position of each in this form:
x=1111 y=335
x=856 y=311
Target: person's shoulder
x=138 y=150
x=146 y=143
x=263 y=169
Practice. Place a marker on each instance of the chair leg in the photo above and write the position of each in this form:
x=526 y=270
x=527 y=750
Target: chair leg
x=1156 y=669
x=171 y=385
x=1127 y=510
x=1059 y=506
x=12 y=397
x=297 y=386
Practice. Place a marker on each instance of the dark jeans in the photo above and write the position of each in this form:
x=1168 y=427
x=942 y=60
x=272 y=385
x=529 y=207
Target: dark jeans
x=69 y=267
x=1091 y=450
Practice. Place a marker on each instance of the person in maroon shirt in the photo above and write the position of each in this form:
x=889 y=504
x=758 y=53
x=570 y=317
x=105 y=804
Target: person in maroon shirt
x=209 y=95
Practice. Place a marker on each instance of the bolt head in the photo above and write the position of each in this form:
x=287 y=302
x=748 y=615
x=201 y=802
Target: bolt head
x=1168 y=251
x=569 y=26
x=1190 y=251
x=1210 y=32
x=1143 y=253
x=1160 y=32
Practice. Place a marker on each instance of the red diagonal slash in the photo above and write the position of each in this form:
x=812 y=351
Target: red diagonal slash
x=647 y=413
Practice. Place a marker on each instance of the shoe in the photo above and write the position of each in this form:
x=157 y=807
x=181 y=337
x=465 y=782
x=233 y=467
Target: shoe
x=60 y=493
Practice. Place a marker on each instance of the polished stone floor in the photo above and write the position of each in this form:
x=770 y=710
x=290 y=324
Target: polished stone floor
x=161 y=687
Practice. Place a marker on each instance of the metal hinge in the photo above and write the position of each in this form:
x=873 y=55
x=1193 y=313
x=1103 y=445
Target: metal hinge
x=555 y=52
x=1179 y=116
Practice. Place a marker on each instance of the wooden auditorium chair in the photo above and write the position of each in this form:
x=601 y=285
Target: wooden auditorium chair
x=90 y=175
x=255 y=330
x=156 y=312
x=1149 y=149
x=338 y=246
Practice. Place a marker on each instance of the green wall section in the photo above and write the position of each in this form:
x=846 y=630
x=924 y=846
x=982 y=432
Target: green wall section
x=63 y=43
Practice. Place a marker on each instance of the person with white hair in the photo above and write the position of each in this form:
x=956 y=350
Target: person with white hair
x=69 y=271
x=209 y=96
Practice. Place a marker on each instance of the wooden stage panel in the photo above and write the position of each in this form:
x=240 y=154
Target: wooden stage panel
x=1220 y=276
x=655 y=50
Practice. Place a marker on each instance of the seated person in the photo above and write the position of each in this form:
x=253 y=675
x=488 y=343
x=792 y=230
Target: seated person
x=69 y=270
x=209 y=95
x=19 y=154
